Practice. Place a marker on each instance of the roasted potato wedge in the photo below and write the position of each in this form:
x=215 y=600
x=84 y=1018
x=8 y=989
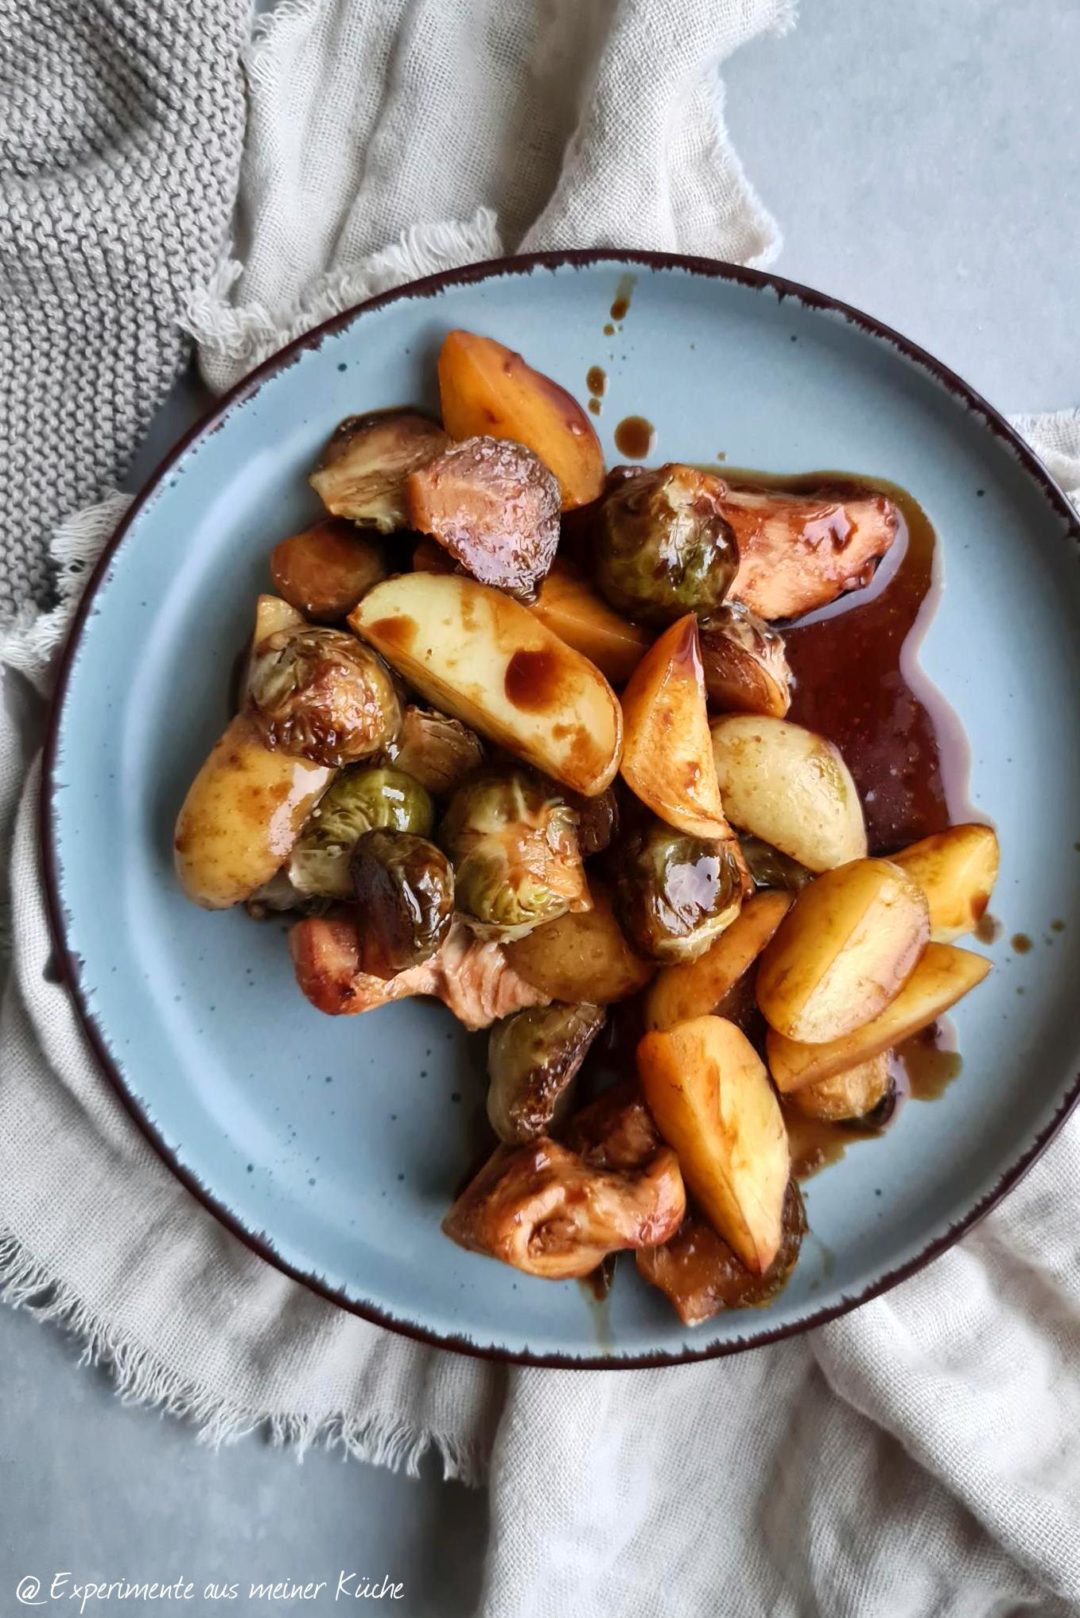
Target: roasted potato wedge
x=942 y=977
x=242 y=815
x=846 y=948
x=581 y=956
x=695 y=988
x=712 y=1101
x=366 y=462
x=667 y=755
x=956 y=869
x=482 y=657
x=571 y=609
x=325 y=569
x=848 y=1095
x=789 y=787
x=488 y=389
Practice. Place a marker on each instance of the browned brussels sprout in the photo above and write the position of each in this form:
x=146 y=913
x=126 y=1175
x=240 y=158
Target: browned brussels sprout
x=533 y=1059
x=494 y=506
x=434 y=749
x=405 y=897
x=361 y=799
x=598 y=821
x=664 y=547
x=319 y=694
x=700 y=1275
x=513 y=841
x=367 y=460
x=675 y=894
x=772 y=869
x=745 y=665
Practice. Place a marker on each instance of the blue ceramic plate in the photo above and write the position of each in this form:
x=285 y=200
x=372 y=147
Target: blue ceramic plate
x=334 y=1145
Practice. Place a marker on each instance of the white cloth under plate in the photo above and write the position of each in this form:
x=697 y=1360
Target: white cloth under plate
x=915 y=1458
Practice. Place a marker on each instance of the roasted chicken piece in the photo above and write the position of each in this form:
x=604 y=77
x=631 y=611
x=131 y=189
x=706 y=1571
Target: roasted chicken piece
x=472 y=978
x=542 y=1209
x=494 y=507
x=700 y=1275
x=801 y=551
x=615 y=1132
x=366 y=462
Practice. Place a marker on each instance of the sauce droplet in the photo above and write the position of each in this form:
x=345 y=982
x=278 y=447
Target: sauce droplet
x=1057 y=926
x=596 y=380
x=634 y=437
x=533 y=679
x=623 y=293
x=594 y=405
x=609 y=330
x=1021 y=943
x=930 y=1061
x=988 y=929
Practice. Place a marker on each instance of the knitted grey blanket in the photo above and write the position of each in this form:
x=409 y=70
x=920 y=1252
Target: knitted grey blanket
x=121 y=124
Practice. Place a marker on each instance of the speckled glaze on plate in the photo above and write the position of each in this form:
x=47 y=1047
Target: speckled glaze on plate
x=333 y=1146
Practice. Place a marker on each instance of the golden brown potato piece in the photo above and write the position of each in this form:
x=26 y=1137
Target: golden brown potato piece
x=941 y=978
x=541 y=1209
x=746 y=668
x=801 y=551
x=956 y=869
x=695 y=988
x=846 y=948
x=486 y=388
x=582 y=956
x=667 y=752
x=325 y=569
x=700 y=1275
x=366 y=462
x=471 y=977
x=712 y=1101
x=571 y=609
x=493 y=507
x=242 y=815
x=848 y=1095
x=789 y=787
x=482 y=657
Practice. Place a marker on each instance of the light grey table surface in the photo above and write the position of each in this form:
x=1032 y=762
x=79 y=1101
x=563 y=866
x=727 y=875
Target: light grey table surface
x=922 y=160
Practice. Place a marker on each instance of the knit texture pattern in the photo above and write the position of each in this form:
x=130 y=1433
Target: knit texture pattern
x=121 y=123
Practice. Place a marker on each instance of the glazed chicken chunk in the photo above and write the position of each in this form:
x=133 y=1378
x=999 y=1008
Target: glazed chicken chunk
x=473 y=978
x=543 y=1209
x=798 y=552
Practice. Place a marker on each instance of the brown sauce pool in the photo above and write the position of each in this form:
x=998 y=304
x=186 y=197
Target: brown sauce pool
x=857 y=679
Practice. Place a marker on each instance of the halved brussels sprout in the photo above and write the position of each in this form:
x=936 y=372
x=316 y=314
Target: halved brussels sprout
x=366 y=462
x=772 y=869
x=405 y=894
x=434 y=749
x=598 y=820
x=533 y=1059
x=513 y=841
x=319 y=694
x=675 y=894
x=745 y=665
x=361 y=799
x=664 y=547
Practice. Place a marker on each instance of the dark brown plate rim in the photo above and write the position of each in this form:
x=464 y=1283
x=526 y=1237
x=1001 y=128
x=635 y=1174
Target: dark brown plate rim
x=69 y=963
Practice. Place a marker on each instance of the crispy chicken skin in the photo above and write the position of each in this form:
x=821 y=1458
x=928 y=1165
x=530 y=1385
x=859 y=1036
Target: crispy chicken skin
x=472 y=977
x=798 y=552
x=542 y=1209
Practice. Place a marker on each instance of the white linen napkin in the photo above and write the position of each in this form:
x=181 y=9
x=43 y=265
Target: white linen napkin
x=915 y=1458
